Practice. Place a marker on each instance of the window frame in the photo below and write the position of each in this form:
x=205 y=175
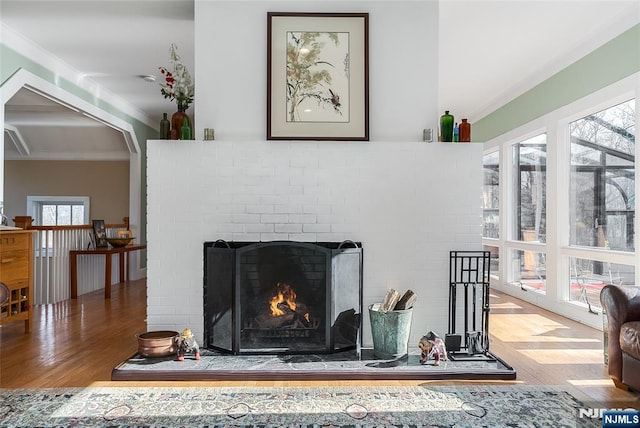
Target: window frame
x=510 y=206
x=558 y=252
x=567 y=250
x=517 y=233
x=485 y=211
x=600 y=170
x=35 y=203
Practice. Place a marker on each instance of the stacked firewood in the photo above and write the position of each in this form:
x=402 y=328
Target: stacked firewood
x=393 y=302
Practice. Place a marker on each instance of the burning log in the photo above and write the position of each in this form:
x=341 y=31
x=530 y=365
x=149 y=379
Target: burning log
x=296 y=318
x=283 y=311
x=284 y=308
x=301 y=320
x=269 y=321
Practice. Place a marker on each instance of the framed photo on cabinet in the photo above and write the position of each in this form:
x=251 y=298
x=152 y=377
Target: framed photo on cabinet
x=317 y=76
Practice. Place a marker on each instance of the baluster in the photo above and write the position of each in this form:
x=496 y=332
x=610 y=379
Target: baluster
x=51 y=262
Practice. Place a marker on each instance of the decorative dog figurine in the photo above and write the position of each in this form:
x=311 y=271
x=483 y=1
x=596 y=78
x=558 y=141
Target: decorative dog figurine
x=432 y=347
x=187 y=344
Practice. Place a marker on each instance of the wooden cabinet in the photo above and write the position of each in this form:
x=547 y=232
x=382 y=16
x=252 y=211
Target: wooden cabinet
x=16 y=272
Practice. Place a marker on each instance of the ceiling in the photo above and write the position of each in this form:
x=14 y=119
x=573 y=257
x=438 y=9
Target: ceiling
x=112 y=43
x=490 y=52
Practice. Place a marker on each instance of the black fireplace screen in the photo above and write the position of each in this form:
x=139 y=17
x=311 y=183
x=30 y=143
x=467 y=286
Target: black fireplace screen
x=282 y=296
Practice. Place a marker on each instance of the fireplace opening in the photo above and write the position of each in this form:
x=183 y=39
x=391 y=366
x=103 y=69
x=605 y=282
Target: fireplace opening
x=282 y=296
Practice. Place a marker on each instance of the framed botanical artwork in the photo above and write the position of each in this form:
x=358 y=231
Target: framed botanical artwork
x=100 y=234
x=317 y=76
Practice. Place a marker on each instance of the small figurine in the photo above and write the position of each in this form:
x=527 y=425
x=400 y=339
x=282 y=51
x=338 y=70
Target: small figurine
x=187 y=344
x=432 y=346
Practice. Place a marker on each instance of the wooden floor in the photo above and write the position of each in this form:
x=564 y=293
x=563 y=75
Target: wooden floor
x=78 y=342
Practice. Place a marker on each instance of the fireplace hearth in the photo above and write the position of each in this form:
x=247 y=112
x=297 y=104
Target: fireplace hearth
x=282 y=297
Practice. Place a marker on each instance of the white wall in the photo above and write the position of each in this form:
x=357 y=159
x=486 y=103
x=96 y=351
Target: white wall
x=231 y=65
x=408 y=203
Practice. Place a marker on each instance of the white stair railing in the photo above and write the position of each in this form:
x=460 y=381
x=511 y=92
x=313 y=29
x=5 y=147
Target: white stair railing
x=51 y=276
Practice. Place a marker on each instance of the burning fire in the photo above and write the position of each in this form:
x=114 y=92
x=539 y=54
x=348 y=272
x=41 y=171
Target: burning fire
x=285 y=295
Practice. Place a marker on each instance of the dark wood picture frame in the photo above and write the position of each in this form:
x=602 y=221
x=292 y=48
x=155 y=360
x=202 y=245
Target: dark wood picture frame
x=100 y=234
x=317 y=76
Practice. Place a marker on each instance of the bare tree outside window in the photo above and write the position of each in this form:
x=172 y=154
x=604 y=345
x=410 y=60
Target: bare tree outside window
x=491 y=195
x=59 y=214
x=602 y=190
x=530 y=161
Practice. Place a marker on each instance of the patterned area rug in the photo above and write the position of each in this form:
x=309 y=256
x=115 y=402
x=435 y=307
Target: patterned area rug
x=370 y=406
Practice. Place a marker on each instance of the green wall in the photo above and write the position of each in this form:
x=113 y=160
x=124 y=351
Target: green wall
x=12 y=61
x=613 y=61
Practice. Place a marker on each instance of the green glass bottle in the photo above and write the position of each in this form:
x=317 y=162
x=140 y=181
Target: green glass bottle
x=185 y=131
x=446 y=127
x=164 y=127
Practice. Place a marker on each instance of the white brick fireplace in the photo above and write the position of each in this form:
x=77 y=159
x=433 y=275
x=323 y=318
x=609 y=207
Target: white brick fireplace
x=409 y=203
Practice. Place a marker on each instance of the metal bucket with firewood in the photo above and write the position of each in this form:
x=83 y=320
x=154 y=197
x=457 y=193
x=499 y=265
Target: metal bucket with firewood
x=391 y=324
x=390 y=332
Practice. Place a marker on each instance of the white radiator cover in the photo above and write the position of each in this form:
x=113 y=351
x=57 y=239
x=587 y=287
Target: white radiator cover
x=409 y=203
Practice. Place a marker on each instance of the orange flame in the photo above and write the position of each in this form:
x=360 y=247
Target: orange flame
x=285 y=295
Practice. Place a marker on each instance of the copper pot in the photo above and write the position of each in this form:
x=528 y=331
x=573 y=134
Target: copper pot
x=157 y=343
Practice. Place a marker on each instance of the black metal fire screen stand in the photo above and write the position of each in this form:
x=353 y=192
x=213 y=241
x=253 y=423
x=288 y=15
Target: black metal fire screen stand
x=469 y=272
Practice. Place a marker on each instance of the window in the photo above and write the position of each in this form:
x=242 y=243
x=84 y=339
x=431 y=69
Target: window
x=58 y=211
x=602 y=200
x=530 y=168
x=587 y=277
x=527 y=264
x=62 y=214
x=602 y=188
x=491 y=207
x=564 y=257
x=529 y=270
x=491 y=195
x=494 y=270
